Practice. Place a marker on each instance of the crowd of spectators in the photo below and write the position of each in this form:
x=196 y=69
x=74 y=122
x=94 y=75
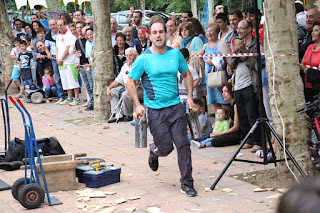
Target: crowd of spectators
x=66 y=48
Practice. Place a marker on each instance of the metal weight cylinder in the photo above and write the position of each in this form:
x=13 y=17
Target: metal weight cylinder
x=141 y=133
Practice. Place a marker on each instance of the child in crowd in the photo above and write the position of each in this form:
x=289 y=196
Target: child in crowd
x=14 y=56
x=221 y=125
x=28 y=40
x=49 y=84
x=205 y=124
x=182 y=89
x=24 y=59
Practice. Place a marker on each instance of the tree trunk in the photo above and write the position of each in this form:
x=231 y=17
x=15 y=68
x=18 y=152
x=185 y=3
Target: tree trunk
x=103 y=62
x=143 y=10
x=53 y=5
x=288 y=87
x=317 y=3
x=210 y=10
x=194 y=8
x=6 y=38
x=310 y=4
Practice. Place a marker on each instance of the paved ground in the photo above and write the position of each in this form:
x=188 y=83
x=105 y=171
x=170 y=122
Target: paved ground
x=156 y=189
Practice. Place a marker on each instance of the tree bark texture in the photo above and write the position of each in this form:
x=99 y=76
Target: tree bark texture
x=143 y=10
x=103 y=62
x=6 y=38
x=194 y=8
x=210 y=10
x=310 y=4
x=53 y=5
x=288 y=93
x=317 y=3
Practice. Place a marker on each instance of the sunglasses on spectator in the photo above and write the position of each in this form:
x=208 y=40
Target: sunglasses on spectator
x=88 y=23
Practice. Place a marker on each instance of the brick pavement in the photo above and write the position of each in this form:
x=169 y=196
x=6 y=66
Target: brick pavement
x=116 y=145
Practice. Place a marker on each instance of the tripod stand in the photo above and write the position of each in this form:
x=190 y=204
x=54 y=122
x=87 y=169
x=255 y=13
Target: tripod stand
x=261 y=122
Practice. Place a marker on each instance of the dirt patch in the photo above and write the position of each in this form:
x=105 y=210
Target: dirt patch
x=86 y=121
x=266 y=179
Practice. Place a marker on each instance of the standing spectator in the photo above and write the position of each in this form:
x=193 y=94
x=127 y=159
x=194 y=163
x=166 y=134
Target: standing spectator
x=130 y=16
x=225 y=33
x=186 y=14
x=114 y=30
x=190 y=40
x=68 y=74
x=198 y=29
x=251 y=17
x=49 y=84
x=143 y=36
x=119 y=52
x=36 y=25
x=215 y=46
x=67 y=19
x=38 y=10
x=137 y=21
x=174 y=39
x=176 y=20
x=71 y=15
x=50 y=42
x=300 y=14
x=27 y=29
x=35 y=17
x=235 y=16
x=14 y=56
x=246 y=82
x=86 y=74
x=132 y=42
x=18 y=31
x=88 y=22
x=79 y=15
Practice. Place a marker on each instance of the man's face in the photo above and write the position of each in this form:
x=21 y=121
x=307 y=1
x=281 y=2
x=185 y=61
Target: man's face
x=312 y=16
x=84 y=32
x=136 y=19
x=89 y=22
x=251 y=17
x=184 y=17
x=18 y=25
x=61 y=26
x=34 y=18
x=234 y=21
x=141 y=36
x=131 y=9
x=158 y=35
x=40 y=46
x=53 y=25
x=114 y=24
x=130 y=57
x=171 y=27
x=243 y=29
x=41 y=35
x=78 y=16
x=79 y=28
x=89 y=35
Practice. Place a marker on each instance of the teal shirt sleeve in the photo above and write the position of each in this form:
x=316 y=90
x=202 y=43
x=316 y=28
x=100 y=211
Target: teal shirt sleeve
x=183 y=66
x=137 y=68
x=196 y=44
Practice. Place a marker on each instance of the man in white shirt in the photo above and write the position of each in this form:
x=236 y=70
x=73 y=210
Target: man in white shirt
x=65 y=60
x=114 y=30
x=117 y=88
x=300 y=14
x=18 y=31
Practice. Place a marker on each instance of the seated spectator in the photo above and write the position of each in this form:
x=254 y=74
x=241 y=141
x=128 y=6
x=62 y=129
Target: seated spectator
x=43 y=61
x=132 y=42
x=117 y=89
x=119 y=52
x=220 y=125
x=49 y=84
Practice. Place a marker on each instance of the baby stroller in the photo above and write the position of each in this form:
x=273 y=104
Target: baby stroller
x=33 y=94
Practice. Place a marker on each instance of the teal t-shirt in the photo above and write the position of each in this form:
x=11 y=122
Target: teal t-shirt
x=159 y=76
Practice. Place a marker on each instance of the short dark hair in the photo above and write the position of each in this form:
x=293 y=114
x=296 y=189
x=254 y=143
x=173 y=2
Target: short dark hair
x=185 y=52
x=236 y=12
x=190 y=14
x=27 y=38
x=90 y=28
x=41 y=29
x=157 y=19
x=225 y=112
x=299 y=7
x=81 y=11
x=17 y=40
x=23 y=42
x=222 y=16
x=33 y=14
x=198 y=102
x=49 y=69
x=80 y=22
x=17 y=20
x=140 y=14
x=316 y=23
x=249 y=24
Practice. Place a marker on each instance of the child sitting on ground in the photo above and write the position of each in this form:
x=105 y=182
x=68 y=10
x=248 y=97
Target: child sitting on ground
x=24 y=59
x=205 y=124
x=49 y=84
x=221 y=125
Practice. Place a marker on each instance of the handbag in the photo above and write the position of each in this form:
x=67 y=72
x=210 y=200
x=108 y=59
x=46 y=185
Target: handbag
x=216 y=78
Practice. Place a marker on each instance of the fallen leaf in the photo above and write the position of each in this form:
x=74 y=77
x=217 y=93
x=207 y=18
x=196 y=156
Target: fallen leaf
x=109 y=193
x=134 y=197
x=107 y=127
x=59 y=128
x=254 y=175
x=81 y=206
x=77 y=121
x=211 y=177
x=60 y=192
x=121 y=200
x=227 y=190
x=83 y=199
x=109 y=210
x=260 y=190
x=275 y=196
x=284 y=190
x=157 y=174
x=83 y=191
x=85 y=210
x=261 y=186
x=154 y=210
x=161 y=181
x=235 y=177
x=41 y=113
x=130 y=175
x=48 y=124
x=245 y=178
x=91 y=206
x=99 y=132
x=131 y=209
x=207 y=189
x=232 y=194
x=97 y=124
x=95 y=194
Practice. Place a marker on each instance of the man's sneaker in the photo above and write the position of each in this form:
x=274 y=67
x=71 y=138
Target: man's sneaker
x=89 y=108
x=188 y=190
x=60 y=100
x=75 y=102
x=66 y=101
x=195 y=144
x=153 y=162
x=86 y=104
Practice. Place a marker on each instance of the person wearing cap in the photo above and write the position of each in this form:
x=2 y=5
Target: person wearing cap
x=300 y=14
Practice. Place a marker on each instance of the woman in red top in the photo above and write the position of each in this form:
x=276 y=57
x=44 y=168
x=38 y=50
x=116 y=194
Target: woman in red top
x=312 y=59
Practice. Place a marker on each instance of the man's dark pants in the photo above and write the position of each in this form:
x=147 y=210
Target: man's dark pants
x=169 y=125
x=248 y=112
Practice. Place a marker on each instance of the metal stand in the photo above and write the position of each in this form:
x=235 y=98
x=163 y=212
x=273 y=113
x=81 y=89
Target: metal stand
x=119 y=104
